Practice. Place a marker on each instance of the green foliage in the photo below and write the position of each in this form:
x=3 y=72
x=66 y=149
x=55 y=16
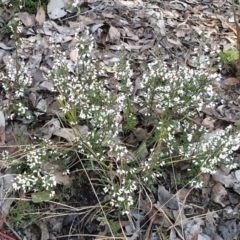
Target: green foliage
x=64 y=194
x=165 y=101
x=130 y=119
x=23 y=214
x=111 y=224
x=229 y=55
x=228 y=61
x=29 y=6
x=7 y=30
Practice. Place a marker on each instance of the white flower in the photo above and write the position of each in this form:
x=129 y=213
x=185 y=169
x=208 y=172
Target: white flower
x=120 y=199
x=189 y=137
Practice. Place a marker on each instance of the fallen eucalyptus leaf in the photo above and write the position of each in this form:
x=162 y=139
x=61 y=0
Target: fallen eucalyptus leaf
x=218 y=191
x=167 y=199
x=55 y=9
x=66 y=133
x=40 y=16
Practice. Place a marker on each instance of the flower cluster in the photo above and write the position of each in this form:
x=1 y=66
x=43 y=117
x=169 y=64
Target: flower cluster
x=85 y=96
x=202 y=149
x=122 y=195
x=180 y=89
x=82 y=93
x=34 y=183
x=14 y=82
x=171 y=93
x=33 y=160
x=15 y=77
x=90 y=94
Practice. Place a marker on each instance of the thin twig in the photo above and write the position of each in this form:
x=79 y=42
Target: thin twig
x=238 y=37
x=13 y=231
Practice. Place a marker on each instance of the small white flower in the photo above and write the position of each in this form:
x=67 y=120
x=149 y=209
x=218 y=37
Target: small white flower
x=120 y=199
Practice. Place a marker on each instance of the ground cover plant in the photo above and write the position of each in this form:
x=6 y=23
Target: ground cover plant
x=164 y=102
x=115 y=132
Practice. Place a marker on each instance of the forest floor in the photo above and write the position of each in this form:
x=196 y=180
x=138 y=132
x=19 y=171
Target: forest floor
x=119 y=120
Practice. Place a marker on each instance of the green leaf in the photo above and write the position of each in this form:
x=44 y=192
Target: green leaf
x=110 y=69
x=41 y=196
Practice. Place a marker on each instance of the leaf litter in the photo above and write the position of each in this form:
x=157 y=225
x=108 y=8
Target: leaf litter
x=145 y=29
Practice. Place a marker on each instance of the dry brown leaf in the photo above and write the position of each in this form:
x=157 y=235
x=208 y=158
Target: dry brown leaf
x=210 y=222
x=237 y=175
x=211 y=32
x=51 y=127
x=55 y=169
x=2 y=53
x=148 y=45
x=34 y=63
x=133 y=3
x=232 y=81
x=61 y=178
x=192 y=229
x=74 y=55
x=140 y=134
x=210 y=111
x=218 y=192
x=113 y=34
x=182 y=194
x=27 y=19
x=44 y=230
x=180 y=33
x=208 y=122
x=109 y=15
x=66 y=133
x=198 y=30
x=55 y=9
x=218 y=3
x=167 y=199
x=3 y=46
x=112 y=83
x=5 y=203
x=42 y=105
x=174 y=41
x=37 y=78
x=228 y=229
x=67 y=31
x=205 y=178
x=206 y=195
x=161 y=25
x=225 y=24
x=228 y=180
x=47 y=85
x=155 y=212
x=179 y=216
x=142 y=152
x=40 y=16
